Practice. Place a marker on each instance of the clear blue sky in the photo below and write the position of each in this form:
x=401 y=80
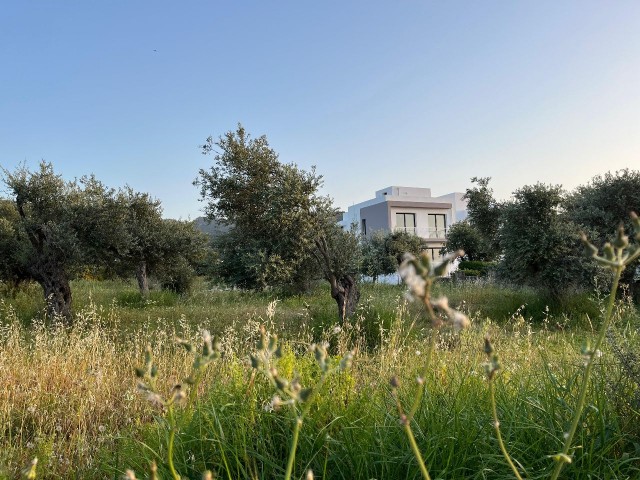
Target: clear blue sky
x=374 y=93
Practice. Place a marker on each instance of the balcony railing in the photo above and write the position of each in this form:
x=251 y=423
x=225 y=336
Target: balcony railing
x=424 y=232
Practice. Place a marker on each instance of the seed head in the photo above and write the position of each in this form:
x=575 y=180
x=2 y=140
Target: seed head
x=255 y=363
x=346 y=361
x=459 y=320
x=305 y=394
x=281 y=383
x=488 y=347
x=590 y=250
x=186 y=345
x=30 y=472
x=621 y=240
x=609 y=254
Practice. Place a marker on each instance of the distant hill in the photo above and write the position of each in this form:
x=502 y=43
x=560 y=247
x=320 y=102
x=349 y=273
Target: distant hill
x=210 y=227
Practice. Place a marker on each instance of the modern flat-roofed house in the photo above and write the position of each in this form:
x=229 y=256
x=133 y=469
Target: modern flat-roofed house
x=411 y=210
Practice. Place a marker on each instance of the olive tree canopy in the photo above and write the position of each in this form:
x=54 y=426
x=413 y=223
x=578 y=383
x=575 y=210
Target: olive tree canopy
x=52 y=228
x=277 y=219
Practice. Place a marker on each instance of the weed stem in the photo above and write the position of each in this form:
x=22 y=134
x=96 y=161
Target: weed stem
x=587 y=373
x=496 y=425
x=172 y=436
x=294 y=447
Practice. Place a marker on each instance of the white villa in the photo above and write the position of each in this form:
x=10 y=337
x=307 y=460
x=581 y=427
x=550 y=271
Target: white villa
x=411 y=210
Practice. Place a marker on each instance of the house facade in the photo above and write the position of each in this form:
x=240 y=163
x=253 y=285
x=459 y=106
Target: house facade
x=408 y=209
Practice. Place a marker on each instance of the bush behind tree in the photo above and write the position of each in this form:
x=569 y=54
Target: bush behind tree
x=599 y=207
x=382 y=252
x=540 y=247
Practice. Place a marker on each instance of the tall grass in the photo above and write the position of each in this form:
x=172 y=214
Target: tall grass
x=70 y=396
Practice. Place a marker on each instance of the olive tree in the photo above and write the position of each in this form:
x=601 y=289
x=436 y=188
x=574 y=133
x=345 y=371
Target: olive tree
x=182 y=247
x=52 y=228
x=601 y=205
x=164 y=248
x=541 y=248
x=464 y=236
x=484 y=214
x=383 y=252
x=277 y=220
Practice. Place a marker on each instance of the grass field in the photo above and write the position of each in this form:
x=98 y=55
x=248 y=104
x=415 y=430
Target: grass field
x=70 y=395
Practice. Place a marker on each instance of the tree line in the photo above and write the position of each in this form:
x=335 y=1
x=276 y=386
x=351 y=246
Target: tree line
x=52 y=231
x=280 y=232
x=533 y=238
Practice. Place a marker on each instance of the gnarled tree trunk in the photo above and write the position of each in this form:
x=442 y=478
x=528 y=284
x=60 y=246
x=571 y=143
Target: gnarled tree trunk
x=344 y=289
x=57 y=291
x=345 y=292
x=58 y=295
x=143 y=281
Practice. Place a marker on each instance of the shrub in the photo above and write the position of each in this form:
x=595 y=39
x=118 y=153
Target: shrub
x=176 y=276
x=477 y=266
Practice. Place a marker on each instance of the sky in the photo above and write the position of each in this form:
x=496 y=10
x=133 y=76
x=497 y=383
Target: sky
x=373 y=93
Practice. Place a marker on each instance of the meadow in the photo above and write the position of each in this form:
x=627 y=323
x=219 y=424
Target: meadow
x=70 y=396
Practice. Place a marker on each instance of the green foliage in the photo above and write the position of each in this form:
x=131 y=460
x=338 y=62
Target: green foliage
x=183 y=247
x=602 y=204
x=481 y=268
x=463 y=236
x=540 y=247
x=484 y=214
x=166 y=249
x=375 y=260
x=53 y=231
x=59 y=228
x=176 y=275
x=133 y=299
x=397 y=244
x=470 y=272
x=382 y=253
x=345 y=255
x=273 y=210
x=13 y=245
x=277 y=221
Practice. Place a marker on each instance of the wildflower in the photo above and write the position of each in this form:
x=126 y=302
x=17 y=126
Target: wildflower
x=154 y=399
x=30 y=471
x=271 y=309
x=276 y=403
x=31 y=409
x=417 y=285
x=459 y=320
x=346 y=361
x=101 y=428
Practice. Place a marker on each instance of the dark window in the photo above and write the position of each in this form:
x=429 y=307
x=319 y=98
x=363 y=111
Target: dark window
x=364 y=226
x=406 y=222
x=434 y=253
x=437 y=225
